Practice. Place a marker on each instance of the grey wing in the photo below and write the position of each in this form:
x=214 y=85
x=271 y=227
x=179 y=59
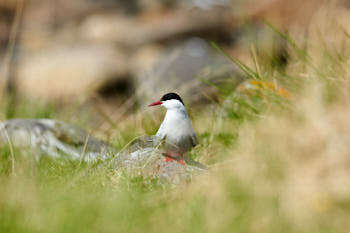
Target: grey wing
x=194 y=140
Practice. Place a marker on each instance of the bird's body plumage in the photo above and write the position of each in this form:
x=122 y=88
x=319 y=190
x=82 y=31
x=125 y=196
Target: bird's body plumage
x=176 y=129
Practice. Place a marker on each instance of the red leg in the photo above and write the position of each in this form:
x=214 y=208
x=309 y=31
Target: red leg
x=168 y=159
x=181 y=161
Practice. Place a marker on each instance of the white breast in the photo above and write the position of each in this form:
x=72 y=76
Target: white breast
x=177 y=130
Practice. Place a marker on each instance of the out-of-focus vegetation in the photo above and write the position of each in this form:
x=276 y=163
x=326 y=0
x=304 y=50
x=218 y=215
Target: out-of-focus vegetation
x=277 y=147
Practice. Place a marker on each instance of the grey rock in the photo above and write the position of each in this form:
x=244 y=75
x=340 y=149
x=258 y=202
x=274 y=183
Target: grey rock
x=206 y=4
x=53 y=138
x=143 y=157
x=187 y=68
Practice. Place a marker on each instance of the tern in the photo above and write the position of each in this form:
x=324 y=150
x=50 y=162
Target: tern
x=176 y=129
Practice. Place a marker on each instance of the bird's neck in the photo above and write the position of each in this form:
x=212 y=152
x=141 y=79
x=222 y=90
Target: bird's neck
x=173 y=113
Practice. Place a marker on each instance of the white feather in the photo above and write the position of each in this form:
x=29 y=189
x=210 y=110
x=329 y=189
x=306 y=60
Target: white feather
x=176 y=128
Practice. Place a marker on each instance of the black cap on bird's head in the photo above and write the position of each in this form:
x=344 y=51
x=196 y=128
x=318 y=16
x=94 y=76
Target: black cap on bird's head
x=171 y=96
x=168 y=96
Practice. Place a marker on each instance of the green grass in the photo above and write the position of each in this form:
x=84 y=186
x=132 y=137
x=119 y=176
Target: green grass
x=260 y=147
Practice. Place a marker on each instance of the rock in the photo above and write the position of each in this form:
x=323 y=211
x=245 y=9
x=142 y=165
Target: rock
x=58 y=139
x=144 y=58
x=207 y=4
x=70 y=72
x=144 y=158
x=157 y=26
x=187 y=69
x=53 y=138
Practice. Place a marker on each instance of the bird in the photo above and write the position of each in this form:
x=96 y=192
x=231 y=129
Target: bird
x=176 y=129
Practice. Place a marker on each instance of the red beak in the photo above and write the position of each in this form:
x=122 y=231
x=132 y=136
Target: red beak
x=155 y=103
